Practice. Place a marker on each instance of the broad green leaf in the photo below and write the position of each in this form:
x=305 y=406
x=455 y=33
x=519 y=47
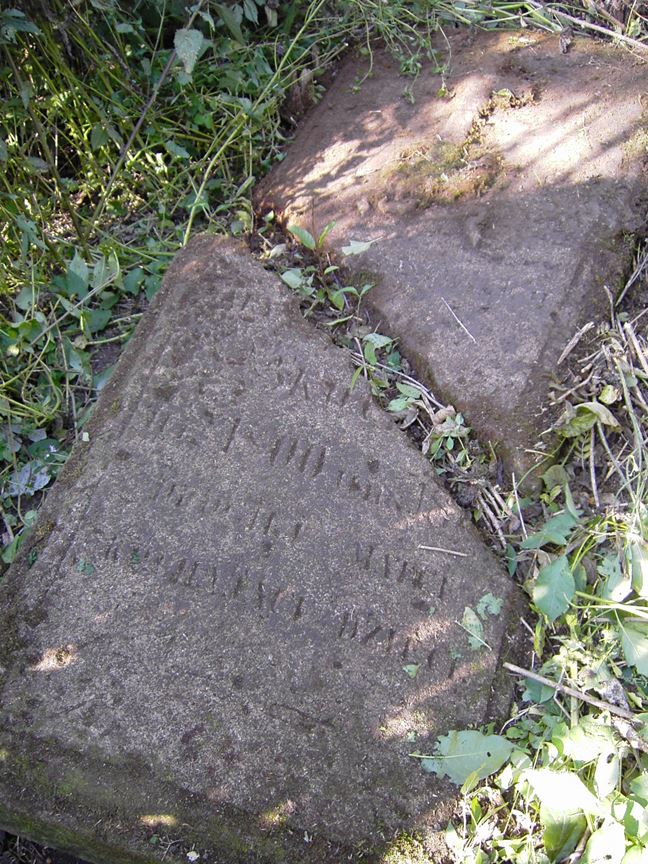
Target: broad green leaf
x=489 y=605
x=103 y=378
x=606 y=845
x=152 y=285
x=11 y=550
x=609 y=395
x=26 y=299
x=587 y=415
x=133 y=280
x=26 y=94
x=393 y=359
x=70 y=308
x=114 y=135
x=556 y=531
x=175 y=150
x=98 y=136
x=36 y=164
x=337 y=299
x=561 y=833
x=13 y=21
x=30 y=234
x=632 y=814
x=245 y=185
x=399 y=404
x=273 y=19
x=378 y=340
x=207 y=17
x=28 y=479
x=554 y=588
x=562 y=791
x=250 y=11
x=230 y=20
x=187 y=44
x=462 y=753
x=77 y=361
x=474 y=627
x=639 y=787
x=293 y=278
x=638 y=552
x=30 y=518
x=372 y=341
x=412 y=669
x=634 y=641
x=105 y=271
x=538 y=693
x=602 y=414
x=511 y=560
x=618 y=584
x=98 y=319
x=369 y=351
x=635 y=855
x=78 y=275
x=555 y=476
x=325 y=232
x=354 y=378
x=304 y=236
x=585 y=741
x=357 y=247
x=607 y=773
x=409 y=390
x=580 y=576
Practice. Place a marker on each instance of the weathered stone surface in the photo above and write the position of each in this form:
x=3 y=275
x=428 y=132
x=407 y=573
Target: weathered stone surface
x=507 y=199
x=207 y=635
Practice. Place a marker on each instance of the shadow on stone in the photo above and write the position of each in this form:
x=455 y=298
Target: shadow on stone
x=502 y=203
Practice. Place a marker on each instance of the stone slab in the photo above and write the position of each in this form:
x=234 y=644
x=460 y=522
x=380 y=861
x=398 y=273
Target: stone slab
x=504 y=202
x=206 y=635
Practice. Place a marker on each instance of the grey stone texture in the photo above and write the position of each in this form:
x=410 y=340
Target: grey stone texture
x=503 y=199
x=205 y=638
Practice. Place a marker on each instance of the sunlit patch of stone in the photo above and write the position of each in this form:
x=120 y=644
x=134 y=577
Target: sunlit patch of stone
x=158 y=820
x=275 y=817
x=54 y=659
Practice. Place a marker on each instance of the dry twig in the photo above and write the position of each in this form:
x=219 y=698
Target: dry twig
x=571 y=691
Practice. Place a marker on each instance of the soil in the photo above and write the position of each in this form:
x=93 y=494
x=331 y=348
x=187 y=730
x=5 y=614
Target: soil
x=17 y=850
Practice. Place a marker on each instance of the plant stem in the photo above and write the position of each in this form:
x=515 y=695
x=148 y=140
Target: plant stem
x=48 y=153
x=138 y=125
x=570 y=691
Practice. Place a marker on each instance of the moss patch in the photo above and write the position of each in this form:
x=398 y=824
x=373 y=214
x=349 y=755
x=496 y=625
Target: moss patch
x=406 y=849
x=442 y=172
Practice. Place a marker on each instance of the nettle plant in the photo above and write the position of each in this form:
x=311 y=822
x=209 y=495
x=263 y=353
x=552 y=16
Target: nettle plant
x=319 y=281
x=124 y=129
x=565 y=782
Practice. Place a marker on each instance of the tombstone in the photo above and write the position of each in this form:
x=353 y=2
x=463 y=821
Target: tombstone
x=211 y=635
x=499 y=201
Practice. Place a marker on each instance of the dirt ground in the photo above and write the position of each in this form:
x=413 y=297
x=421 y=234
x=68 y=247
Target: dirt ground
x=16 y=850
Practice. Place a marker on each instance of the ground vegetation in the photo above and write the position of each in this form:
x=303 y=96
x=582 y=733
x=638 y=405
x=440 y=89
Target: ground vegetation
x=126 y=128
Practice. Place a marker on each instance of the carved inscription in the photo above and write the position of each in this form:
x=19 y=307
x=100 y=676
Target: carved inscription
x=307 y=458
x=389 y=567
x=217 y=432
x=233 y=583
